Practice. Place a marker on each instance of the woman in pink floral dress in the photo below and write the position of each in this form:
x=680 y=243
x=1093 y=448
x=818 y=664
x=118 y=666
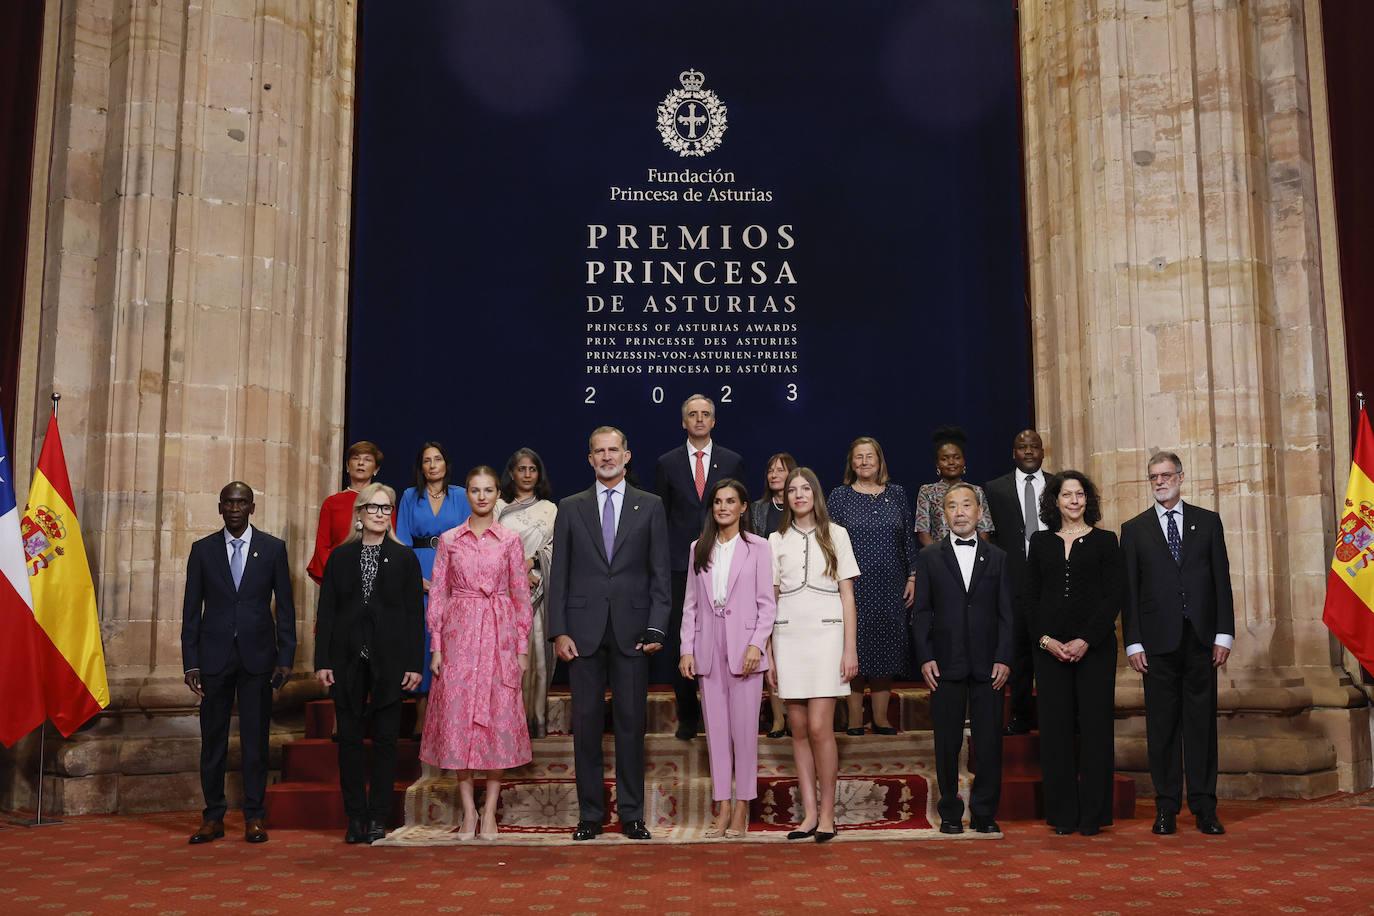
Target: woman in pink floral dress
x=479 y=619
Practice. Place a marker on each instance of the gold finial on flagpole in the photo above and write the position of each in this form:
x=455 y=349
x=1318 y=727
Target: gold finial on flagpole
x=57 y=397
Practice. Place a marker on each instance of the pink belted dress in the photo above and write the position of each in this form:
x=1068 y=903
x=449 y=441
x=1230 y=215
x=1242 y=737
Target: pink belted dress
x=479 y=615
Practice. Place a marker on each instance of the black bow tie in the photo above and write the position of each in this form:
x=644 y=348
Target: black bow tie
x=959 y=542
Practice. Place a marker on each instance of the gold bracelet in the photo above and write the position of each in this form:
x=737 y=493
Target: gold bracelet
x=1045 y=642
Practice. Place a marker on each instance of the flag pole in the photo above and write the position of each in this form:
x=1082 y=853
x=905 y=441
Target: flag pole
x=57 y=397
x=1359 y=400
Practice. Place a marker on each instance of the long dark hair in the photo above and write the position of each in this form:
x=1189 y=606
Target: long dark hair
x=420 y=483
x=542 y=488
x=701 y=557
x=820 y=512
x=1049 y=500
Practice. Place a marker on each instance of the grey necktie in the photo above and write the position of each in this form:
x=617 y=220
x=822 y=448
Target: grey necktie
x=1028 y=509
x=236 y=561
x=608 y=524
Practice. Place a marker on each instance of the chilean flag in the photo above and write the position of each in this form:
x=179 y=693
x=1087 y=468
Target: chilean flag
x=23 y=708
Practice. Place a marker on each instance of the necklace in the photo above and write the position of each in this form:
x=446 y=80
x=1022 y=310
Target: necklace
x=435 y=494
x=1081 y=530
x=777 y=504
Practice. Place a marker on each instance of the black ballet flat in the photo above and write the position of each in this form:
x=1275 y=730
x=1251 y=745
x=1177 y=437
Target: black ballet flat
x=778 y=733
x=884 y=730
x=801 y=834
x=823 y=837
x=854 y=732
x=1090 y=831
x=1063 y=831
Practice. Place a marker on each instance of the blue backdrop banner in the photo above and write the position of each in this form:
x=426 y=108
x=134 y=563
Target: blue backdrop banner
x=579 y=213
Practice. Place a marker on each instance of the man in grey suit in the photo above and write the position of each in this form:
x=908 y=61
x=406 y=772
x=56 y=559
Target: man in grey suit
x=608 y=607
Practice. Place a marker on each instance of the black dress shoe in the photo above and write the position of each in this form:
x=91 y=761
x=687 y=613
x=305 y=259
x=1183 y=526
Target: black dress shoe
x=376 y=831
x=987 y=826
x=854 y=732
x=884 y=730
x=1094 y=830
x=1165 y=824
x=1063 y=831
x=357 y=832
x=951 y=827
x=635 y=830
x=801 y=834
x=586 y=830
x=823 y=836
x=685 y=732
x=1017 y=727
x=1209 y=825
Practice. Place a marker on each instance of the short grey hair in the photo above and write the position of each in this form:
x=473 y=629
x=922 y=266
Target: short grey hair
x=1161 y=457
x=698 y=397
x=604 y=430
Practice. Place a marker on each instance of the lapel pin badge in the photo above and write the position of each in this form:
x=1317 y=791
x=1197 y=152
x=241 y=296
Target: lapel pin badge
x=636 y=508
x=1192 y=527
x=255 y=554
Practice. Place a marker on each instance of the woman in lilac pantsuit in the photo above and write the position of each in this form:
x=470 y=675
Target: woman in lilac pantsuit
x=727 y=618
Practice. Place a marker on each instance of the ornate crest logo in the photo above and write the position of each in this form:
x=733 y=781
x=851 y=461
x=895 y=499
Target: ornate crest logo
x=40 y=529
x=691 y=120
x=1355 y=540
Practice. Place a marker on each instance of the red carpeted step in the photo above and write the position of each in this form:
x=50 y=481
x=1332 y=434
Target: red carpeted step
x=317 y=760
x=1023 y=797
x=319 y=718
x=319 y=806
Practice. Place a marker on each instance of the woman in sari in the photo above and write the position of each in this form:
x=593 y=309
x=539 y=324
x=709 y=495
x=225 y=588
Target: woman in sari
x=526 y=507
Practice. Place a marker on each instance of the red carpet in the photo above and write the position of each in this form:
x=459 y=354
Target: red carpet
x=1278 y=857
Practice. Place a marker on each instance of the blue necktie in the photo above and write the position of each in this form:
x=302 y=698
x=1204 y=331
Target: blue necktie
x=1175 y=542
x=608 y=524
x=236 y=562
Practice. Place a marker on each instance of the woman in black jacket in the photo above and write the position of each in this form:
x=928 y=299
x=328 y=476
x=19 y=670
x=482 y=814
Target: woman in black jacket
x=1075 y=585
x=369 y=643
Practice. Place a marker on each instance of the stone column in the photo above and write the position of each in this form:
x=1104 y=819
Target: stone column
x=194 y=310
x=1176 y=286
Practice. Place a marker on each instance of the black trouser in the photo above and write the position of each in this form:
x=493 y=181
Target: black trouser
x=254 y=693
x=1078 y=791
x=1181 y=725
x=1023 y=672
x=628 y=675
x=688 y=706
x=948 y=705
x=351 y=712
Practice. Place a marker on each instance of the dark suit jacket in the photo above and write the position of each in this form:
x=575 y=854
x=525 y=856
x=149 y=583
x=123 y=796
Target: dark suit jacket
x=632 y=591
x=1078 y=598
x=214 y=615
x=391 y=623
x=675 y=485
x=964 y=631
x=1009 y=522
x=1157 y=587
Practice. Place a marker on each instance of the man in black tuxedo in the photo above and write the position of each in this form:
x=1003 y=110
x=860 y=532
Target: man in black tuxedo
x=231 y=646
x=962 y=631
x=608 y=609
x=1180 y=624
x=682 y=479
x=1014 y=500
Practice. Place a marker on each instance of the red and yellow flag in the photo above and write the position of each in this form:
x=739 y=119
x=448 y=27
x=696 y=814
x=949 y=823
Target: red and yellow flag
x=63 y=593
x=1349 y=611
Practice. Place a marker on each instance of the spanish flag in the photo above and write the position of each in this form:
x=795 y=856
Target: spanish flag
x=1349 y=611
x=73 y=678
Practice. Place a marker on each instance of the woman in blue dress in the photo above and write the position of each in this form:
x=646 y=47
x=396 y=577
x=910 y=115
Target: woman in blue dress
x=877 y=516
x=426 y=511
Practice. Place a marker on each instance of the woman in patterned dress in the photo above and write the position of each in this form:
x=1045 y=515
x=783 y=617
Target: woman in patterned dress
x=878 y=518
x=950 y=443
x=479 y=622
x=526 y=507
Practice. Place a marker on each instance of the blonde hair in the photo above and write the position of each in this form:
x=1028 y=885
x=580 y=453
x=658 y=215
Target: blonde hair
x=363 y=498
x=850 y=475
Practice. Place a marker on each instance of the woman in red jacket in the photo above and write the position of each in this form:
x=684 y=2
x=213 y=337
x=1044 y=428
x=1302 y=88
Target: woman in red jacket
x=362 y=463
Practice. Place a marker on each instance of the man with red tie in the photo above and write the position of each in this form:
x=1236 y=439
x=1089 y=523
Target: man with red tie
x=681 y=480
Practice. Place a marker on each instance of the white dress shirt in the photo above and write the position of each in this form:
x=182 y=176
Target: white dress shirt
x=1225 y=640
x=601 y=491
x=721 y=556
x=247 y=538
x=965 y=554
x=705 y=457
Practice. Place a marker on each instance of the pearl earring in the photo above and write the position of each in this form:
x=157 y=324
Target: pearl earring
x=358 y=525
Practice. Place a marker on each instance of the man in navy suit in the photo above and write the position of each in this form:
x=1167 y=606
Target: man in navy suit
x=682 y=479
x=232 y=647
x=962 y=627
x=1179 y=623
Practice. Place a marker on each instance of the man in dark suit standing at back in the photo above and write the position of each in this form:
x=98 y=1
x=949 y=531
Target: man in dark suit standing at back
x=232 y=647
x=608 y=609
x=961 y=627
x=1014 y=500
x=682 y=479
x=1180 y=624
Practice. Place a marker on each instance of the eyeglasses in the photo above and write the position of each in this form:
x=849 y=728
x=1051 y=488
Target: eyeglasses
x=378 y=508
x=1163 y=478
